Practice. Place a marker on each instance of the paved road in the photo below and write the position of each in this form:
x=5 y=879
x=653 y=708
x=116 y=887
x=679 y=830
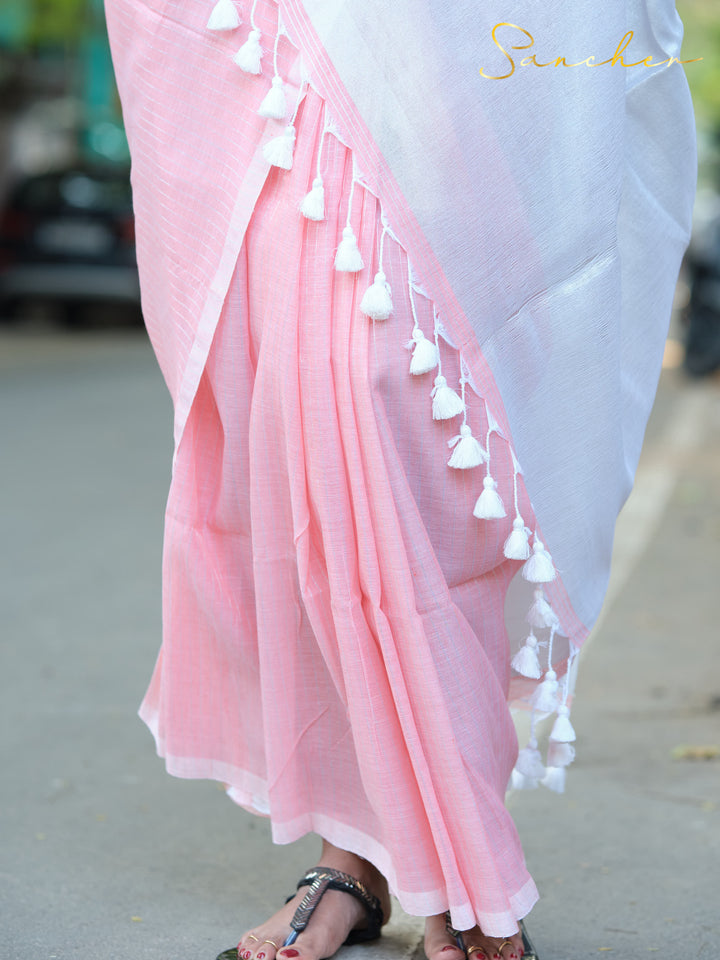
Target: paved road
x=104 y=856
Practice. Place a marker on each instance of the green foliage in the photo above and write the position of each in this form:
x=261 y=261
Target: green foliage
x=58 y=22
x=702 y=39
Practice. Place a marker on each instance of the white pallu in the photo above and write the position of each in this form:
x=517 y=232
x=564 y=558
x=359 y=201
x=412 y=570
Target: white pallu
x=557 y=202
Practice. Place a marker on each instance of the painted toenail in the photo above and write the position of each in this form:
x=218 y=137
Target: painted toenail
x=289 y=952
x=260 y=956
x=448 y=947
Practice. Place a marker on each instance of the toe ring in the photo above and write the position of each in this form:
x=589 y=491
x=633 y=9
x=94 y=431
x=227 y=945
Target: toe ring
x=273 y=943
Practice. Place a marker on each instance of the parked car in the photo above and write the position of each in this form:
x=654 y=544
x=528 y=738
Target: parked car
x=68 y=238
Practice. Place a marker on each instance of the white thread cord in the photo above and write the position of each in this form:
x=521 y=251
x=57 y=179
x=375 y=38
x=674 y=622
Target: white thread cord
x=519 y=782
x=313 y=203
x=541 y=614
x=467 y=453
x=544 y=700
x=224 y=16
x=539 y=567
x=425 y=355
x=489 y=505
x=446 y=404
x=562 y=731
x=348 y=258
x=249 y=56
x=377 y=299
x=274 y=104
x=279 y=150
x=554 y=779
x=529 y=763
x=517 y=545
x=560 y=754
x=526 y=661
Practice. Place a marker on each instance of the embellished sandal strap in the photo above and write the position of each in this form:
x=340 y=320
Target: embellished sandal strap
x=459 y=939
x=321 y=879
x=529 y=951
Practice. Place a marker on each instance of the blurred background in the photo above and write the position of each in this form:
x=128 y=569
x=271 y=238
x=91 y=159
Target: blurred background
x=66 y=230
x=66 y=227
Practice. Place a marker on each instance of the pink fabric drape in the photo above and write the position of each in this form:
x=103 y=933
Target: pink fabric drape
x=335 y=645
x=335 y=642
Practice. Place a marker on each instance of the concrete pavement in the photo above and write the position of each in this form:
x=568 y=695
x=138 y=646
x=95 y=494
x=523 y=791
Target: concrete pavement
x=102 y=855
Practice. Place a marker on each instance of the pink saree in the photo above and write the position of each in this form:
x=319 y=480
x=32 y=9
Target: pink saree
x=412 y=320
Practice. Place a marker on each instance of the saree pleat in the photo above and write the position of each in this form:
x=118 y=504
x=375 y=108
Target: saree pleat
x=335 y=598
x=315 y=656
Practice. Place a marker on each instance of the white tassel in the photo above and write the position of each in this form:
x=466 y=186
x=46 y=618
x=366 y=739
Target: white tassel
x=489 y=506
x=224 y=16
x=279 y=150
x=250 y=54
x=544 y=700
x=554 y=779
x=529 y=763
x=517 y=546
x=446 y=403
x=541 y=614
x=562 y=731
x=425 y=353
x=348 y=258
x=274 y=105
x=377 y=301
x=468 y=452
x=526 y=661
x=313 y=205
x=539 y=568
x=520 y=782
x=560 y=754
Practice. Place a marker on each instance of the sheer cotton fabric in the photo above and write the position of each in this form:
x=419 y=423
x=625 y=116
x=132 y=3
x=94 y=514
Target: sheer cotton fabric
x=547 y=212
x=334 y=642
x=335 y=647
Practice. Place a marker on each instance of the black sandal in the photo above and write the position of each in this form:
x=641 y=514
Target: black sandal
x=529 y=951
x=321 y=879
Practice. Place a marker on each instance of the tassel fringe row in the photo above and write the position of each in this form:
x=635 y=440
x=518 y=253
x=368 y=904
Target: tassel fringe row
x=467 y=451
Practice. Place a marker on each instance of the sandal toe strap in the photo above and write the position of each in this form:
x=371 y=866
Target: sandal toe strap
x=459 y=939
x=321 y=879
x=529 y=951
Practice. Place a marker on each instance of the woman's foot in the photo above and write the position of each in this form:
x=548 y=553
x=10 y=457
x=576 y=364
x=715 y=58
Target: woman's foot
x=335 y=916
x=441 y=945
